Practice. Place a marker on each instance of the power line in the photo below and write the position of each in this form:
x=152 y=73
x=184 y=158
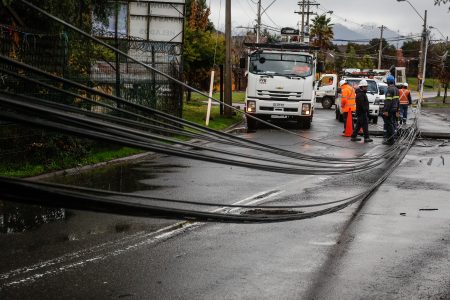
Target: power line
x=347 y=20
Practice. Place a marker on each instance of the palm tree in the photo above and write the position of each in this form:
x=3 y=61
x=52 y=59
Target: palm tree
x=322 y=32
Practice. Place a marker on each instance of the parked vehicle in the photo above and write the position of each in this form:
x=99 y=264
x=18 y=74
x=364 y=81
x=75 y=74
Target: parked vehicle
x=373 y=94
x=382 y=87
x=281 y=84
x=326 y=90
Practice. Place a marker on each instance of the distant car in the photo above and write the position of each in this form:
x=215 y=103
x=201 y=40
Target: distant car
x=373 y=94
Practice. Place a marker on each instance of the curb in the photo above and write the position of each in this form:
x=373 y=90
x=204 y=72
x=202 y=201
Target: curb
x=77 y=170
x=233 y=129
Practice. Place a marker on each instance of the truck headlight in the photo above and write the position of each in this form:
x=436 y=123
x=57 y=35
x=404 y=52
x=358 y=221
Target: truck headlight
x=251 y=106
x=306 y=109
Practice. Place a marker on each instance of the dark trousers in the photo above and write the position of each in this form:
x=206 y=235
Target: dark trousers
x=389 y=129
x=403 y=113
x=362 y=121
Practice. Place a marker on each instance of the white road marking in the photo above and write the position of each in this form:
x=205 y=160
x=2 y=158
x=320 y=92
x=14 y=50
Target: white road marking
x=101 y=252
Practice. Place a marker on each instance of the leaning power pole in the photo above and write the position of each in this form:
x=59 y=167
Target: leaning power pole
x=228 y=80
x=422 y=52
x=381 y=47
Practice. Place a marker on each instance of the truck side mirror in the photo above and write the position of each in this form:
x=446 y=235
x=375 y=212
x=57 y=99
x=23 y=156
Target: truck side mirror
x=242 y=62
x=320 y=68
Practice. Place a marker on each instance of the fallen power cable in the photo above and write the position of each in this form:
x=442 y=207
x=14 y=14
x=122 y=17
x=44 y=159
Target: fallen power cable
x=139 y=126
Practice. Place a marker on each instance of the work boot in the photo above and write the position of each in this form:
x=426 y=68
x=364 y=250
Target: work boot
x=368 y=140
x=355 y=139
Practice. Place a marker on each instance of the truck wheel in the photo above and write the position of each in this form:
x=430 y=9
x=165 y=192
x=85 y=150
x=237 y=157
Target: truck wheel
x=327 y=102
x=375 y=120
x=304 y=123
x=252 y=124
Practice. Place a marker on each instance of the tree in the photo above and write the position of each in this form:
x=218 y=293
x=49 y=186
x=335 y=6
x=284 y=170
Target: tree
x=203 y=46
x=198 y=11
x=72 y=11
x=366 y=62
x=350 y=60
x=389 y=52
x=439 y=2
x=445 y=74
x=411 y=51
x=321 y=34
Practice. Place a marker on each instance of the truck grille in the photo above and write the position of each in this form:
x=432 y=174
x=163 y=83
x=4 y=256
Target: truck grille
x=286 y=109
x=279 y=95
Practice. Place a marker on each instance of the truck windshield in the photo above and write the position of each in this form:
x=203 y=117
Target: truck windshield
x=371 y=88
x=281 y=64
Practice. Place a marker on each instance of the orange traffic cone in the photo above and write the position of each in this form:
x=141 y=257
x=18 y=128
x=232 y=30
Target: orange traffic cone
x=349 y=125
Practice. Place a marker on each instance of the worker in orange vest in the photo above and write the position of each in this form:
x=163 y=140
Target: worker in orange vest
x=405 y=101
x=348 y=103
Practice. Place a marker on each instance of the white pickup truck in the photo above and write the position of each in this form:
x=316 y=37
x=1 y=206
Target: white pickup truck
x=326 y=90
x=373 y=94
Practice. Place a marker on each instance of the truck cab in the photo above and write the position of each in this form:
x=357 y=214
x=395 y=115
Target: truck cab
x=326 y=90
x=280 y=86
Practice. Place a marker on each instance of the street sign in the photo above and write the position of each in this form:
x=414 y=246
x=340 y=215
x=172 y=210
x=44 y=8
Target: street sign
x=289 y=31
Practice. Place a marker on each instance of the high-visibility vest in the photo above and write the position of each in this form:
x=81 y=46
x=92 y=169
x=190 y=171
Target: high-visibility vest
x=348 y=103
x=404 y=93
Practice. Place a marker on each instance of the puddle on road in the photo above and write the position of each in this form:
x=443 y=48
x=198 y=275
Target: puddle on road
x=125 y=178
x=20 y=217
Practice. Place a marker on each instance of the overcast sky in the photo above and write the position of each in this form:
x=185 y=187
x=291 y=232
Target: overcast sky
x=398 y=16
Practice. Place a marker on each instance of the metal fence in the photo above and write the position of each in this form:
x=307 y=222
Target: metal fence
x=73 y=56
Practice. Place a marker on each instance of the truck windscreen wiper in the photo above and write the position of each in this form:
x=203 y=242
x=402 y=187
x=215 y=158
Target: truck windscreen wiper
x=291 y=75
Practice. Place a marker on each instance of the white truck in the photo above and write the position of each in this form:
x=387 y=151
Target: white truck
x=373 y=95
x=326 y=90
x=280 y=83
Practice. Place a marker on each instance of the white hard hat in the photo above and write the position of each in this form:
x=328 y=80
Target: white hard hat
x=363 y=83
x=342 y=82
x=405 y=84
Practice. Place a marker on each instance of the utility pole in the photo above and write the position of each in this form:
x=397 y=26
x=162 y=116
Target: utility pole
x=308 y=12
x=302 y=27
x=381 y=47
x=422 y=52
x=228 y=83
x=116 y=44
x=258 y=22
x=424 y=71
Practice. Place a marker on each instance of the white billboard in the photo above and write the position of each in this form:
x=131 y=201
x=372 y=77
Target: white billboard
x=160 y=21
x=165 y=29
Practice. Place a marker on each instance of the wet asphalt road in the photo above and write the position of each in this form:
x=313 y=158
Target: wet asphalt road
x=393 y=246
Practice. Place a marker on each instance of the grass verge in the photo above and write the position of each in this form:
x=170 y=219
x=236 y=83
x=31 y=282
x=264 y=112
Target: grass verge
x=436 y=102
x=431 y=84
x=238 y=97
x=28 y=169
x=195 y=111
